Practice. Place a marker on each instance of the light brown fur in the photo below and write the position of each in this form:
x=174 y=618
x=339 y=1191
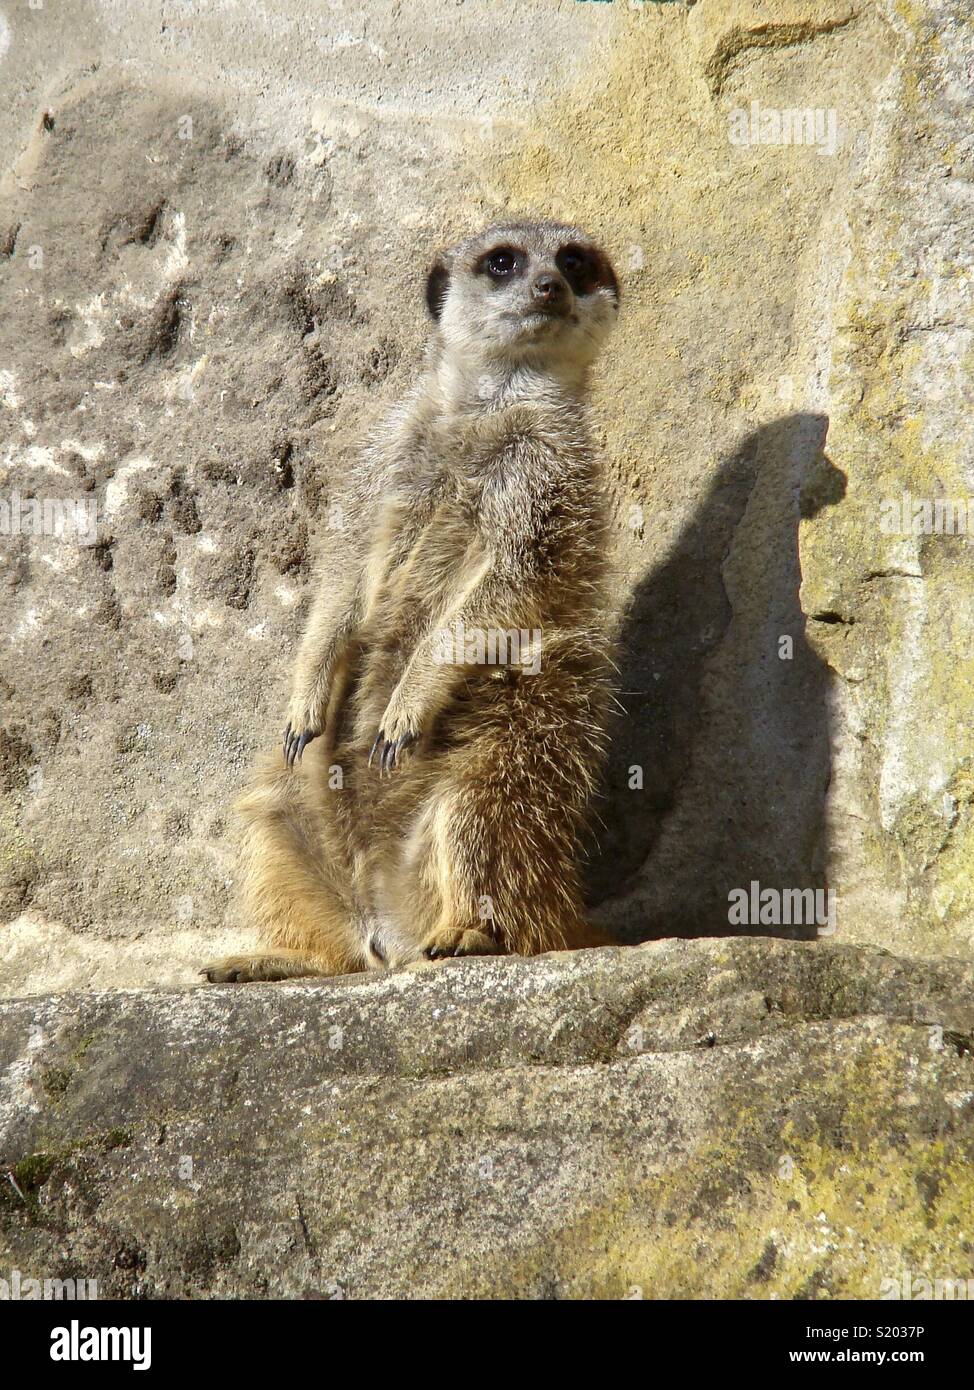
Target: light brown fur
x=479 y=502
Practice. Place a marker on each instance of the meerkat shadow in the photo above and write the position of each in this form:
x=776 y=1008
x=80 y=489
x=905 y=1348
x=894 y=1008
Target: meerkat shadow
x=720 y=758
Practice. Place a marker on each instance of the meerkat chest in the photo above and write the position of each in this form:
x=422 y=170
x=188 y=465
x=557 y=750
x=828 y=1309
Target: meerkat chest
x=423 y=541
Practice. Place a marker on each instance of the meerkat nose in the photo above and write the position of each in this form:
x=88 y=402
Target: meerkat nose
x=549 y=289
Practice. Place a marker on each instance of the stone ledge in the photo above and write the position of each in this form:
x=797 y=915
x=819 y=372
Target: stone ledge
x=724 y=1118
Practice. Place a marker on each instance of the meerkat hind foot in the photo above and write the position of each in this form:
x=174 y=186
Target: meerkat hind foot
x=455 y=941
x=272 y=965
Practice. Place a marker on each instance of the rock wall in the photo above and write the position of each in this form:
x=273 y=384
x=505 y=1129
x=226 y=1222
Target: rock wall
x=214 y=224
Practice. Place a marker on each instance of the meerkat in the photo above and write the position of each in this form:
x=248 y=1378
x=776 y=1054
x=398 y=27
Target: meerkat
x=447 y=723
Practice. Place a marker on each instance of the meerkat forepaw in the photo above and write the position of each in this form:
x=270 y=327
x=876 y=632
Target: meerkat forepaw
x=390 y=753
x=295 y=742
x=306 y=721
x=394 y=741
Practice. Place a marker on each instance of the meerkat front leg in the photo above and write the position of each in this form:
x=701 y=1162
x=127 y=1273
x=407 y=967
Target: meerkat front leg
x=421 y=693
x=426 y=685
x=331 y=626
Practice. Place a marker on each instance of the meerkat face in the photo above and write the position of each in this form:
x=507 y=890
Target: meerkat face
x=541 y=293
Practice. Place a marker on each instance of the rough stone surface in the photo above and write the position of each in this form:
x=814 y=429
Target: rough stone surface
x=214 y=222
x=705 y=1119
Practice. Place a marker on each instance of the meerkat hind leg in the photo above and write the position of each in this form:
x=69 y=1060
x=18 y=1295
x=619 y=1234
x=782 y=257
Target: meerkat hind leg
x=305 y=925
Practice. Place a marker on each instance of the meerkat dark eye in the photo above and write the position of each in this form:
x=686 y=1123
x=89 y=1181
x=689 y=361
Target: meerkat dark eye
x=579 y=267
x=500 y=263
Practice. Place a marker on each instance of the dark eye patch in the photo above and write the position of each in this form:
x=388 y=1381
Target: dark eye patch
x=501 y=263
x=586 y=270
x=437 y=286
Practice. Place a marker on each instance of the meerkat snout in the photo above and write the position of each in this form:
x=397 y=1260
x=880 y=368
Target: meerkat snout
x=551 y=292
x=543 y=293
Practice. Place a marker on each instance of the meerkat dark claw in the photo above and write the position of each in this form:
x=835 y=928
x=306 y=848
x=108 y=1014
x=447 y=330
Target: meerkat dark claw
x=294 y=748
x=287 y=739
x=389 y=751
x=303 y=742
x=441 y=952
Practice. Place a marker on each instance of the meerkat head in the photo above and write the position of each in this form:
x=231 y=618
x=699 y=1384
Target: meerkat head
x=538 y=294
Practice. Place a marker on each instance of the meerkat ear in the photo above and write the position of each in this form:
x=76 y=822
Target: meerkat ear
x=437 y=284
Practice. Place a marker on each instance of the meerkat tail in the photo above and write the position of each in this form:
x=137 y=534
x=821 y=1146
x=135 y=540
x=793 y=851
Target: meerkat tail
x=264 y=966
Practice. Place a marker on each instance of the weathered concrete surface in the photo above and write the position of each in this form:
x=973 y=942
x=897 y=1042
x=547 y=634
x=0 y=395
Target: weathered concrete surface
x=707 y=1119
x=214 y=222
